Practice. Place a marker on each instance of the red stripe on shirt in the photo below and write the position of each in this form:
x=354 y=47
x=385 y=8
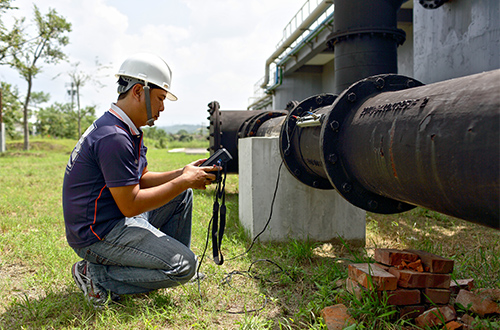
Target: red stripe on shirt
x=95 y=212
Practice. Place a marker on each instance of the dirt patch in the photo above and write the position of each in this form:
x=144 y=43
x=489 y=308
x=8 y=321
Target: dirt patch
x=12 y=283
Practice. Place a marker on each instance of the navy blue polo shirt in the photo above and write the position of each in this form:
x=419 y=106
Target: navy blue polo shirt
x=109 y=154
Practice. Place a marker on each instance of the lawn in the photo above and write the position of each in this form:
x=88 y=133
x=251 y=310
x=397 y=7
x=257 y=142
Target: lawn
x=273 y=286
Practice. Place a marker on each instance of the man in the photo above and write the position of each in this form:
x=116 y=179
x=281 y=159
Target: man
x=131 y=226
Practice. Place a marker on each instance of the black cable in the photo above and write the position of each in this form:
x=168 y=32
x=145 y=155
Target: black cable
x=268 y=219
x=227 y=280
x=229 y=275
x=289 y=137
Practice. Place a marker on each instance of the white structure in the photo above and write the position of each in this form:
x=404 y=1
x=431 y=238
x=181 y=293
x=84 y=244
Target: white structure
x=299 y=211
x=2 y=137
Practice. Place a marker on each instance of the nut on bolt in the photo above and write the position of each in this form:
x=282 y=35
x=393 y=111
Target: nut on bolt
x=351 y=97
x=372 y=204
x=334 y=125
x=346 y=187
x=332 y=158
x=410 y=83
x=379 y=83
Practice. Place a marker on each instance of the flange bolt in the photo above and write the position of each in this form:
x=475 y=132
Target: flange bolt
x=332 y=158
x=351 y=97
x=346 y=187
x=372 y=204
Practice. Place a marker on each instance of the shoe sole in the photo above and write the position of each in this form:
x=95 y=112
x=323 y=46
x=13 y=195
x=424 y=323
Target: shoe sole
x=79 y=280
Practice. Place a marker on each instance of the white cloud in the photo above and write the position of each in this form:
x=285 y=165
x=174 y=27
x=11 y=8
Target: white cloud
x=216 y=49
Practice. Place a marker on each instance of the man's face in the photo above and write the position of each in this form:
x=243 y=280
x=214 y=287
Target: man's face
x=157 y=97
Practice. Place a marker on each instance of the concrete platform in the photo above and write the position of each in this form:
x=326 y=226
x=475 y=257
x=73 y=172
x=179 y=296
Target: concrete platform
x=300 y=212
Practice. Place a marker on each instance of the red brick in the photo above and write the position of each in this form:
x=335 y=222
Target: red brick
x=412 y=279
x=337 y=317
x=436 y=316
x=453 y=325
x=468 y=320
x=401 y=297
x=394 y=257
x=411 y=312
x=368 y=274
x=493 y=294
x=479 y=304
x=437 y=296
x=436 y=264
x=457 y=285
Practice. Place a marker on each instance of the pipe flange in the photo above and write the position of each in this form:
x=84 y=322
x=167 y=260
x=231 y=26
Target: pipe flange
x=331 y=137
x=215 y=127
x=250 y=127
x=290 y=137
x=397 y=34
x=432 y=4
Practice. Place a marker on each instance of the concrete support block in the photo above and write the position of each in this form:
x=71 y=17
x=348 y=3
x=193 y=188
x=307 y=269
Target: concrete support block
x=2 y=137
x=299 y=212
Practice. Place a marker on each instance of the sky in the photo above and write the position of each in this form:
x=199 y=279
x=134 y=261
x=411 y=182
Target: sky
x=216 y=49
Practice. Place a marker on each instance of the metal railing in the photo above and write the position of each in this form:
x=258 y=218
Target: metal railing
x=307 y=19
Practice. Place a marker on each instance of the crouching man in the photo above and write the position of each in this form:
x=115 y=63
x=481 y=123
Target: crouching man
x=131 y=227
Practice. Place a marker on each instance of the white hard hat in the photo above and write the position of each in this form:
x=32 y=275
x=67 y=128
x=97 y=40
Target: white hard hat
x=146 y=68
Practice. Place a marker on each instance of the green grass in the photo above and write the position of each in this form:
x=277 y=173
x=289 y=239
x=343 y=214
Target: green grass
x=275 y=286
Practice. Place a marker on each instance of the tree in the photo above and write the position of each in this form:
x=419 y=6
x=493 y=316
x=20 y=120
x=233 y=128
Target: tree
x=45 y=46
x=9 y=40
x=78 y=80
x=11 y=109
x=57 y=120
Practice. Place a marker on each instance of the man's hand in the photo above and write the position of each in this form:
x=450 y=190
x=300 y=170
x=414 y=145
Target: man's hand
x=199 y=177
x=139 y=198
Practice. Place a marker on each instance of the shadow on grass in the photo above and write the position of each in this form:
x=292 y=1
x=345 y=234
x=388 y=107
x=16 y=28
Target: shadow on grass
x=51 y=311
x=69 y=309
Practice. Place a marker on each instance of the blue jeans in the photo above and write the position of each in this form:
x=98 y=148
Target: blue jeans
x=146 y=252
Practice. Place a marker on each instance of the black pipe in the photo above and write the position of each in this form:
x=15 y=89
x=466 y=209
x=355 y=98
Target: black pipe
x=365 y=39
x=387 y=146
x=227 y=126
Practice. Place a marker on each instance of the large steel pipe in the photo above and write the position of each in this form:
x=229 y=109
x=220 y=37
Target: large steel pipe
x=227 y=126
x=365 y=39
x=387 y=146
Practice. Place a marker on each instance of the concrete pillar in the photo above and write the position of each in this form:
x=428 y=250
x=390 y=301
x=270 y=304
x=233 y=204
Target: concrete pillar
x=2 y=137
x=299 y=212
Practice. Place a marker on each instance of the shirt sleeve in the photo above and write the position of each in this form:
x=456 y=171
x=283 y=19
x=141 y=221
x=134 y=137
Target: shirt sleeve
x=115 y=154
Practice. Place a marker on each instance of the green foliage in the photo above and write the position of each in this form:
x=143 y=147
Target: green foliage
x=12 y=113
x=156 y=137
x=9 y=40
x=159 y=138
x=44 y=46
x=58 y=120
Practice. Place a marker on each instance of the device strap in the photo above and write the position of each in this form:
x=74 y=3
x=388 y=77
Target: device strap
x=219 y=213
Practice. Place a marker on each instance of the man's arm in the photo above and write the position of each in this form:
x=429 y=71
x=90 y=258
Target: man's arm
x=153 y=179
x=136 y=199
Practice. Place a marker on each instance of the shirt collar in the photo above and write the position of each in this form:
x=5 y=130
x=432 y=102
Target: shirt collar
x=120 y=114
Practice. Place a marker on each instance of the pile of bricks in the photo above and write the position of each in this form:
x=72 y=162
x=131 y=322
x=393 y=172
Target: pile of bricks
x=417 y=282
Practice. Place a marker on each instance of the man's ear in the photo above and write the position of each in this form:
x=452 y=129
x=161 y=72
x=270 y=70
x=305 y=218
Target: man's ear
x=137 y=91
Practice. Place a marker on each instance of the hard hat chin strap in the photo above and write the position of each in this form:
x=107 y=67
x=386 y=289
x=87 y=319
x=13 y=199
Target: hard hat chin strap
x=150 y=121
